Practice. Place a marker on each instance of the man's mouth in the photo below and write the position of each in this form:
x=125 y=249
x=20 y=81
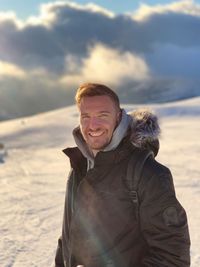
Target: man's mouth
x=95 y=134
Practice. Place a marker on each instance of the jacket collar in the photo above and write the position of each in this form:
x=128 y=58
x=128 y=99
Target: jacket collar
x=79 y=162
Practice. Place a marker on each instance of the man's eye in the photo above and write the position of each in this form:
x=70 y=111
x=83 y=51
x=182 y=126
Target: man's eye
x=84 y=117
x=104 y=115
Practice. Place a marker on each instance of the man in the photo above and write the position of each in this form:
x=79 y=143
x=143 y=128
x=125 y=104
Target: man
x=100 y=228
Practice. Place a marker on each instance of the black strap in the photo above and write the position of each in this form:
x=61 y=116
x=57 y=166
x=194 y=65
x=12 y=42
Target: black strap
x=134 y=170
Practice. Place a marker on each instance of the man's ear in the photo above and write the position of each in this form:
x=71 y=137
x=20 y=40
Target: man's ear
x=119 y=116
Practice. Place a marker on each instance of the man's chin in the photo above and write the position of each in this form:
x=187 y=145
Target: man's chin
x=97 y=147
x=97 y=144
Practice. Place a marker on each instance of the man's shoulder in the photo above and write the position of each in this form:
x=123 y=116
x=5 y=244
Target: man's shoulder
x=151 y=165
x=69 y=151
x=155 y=168
x=77 y=160
x=156 y=177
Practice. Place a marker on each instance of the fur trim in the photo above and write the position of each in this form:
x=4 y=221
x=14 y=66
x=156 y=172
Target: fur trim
x=145 y=130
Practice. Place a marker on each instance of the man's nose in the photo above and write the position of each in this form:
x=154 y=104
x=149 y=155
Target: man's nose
x=94 y=123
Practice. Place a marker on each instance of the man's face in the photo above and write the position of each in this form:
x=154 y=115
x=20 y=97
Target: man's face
x=98 y=118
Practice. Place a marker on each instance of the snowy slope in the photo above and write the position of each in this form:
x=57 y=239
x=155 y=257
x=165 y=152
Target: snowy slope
x=33 y=177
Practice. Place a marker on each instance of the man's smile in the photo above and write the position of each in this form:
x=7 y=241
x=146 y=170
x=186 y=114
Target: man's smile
x=96 y=134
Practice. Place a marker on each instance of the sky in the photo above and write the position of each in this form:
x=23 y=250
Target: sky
x=146 y=51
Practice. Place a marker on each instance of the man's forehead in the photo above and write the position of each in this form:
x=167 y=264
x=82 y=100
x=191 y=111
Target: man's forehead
x=97 y=103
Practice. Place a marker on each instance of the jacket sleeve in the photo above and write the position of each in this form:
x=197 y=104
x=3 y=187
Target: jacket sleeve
x=62 y=252
x=59 y=262
x=163 y=223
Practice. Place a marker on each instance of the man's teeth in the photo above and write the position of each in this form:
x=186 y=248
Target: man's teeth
x=96 y=134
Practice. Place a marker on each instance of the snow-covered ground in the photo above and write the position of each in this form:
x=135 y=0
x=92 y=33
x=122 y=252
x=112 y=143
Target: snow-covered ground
x=33 y=173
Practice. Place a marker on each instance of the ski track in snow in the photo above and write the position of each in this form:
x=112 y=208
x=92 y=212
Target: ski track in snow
x=33 y=178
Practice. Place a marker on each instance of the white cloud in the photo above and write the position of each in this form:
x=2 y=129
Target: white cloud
x=48 y=14
x=10 y=17
x=98 y=9
x=11 y=70
x=182 y=7
x=113 y=66
x=45 y=17
x=110 y=66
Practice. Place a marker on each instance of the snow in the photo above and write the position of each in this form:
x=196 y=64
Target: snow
x=33 y=172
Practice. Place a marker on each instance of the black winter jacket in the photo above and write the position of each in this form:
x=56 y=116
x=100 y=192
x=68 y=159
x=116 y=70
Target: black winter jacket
x=99 y=226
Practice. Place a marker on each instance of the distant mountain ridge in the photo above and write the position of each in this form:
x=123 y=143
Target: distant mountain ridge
x=13 y=109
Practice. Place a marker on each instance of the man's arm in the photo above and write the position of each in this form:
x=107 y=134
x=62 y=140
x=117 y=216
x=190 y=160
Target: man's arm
x=62 y=252
x=164 y=223
x=59 y=256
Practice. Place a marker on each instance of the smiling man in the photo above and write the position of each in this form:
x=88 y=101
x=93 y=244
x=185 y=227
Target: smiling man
x=102 y=226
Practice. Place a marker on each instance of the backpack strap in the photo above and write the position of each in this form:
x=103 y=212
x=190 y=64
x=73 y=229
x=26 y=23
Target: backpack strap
x=134 y=171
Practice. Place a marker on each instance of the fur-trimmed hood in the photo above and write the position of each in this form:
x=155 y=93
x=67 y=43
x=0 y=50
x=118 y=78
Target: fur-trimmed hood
x=145 y=130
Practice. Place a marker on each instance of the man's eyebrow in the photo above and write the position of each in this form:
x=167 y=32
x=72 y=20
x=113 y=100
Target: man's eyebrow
x=104 y=111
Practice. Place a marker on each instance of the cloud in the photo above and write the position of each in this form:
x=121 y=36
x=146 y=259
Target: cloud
x=187 y=7
x=109 y=66
x=10 y=70
x=65 y=28
x=61 y=29
x=154 y=49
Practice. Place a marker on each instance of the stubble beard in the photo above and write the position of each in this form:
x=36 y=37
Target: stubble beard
x=96 y=145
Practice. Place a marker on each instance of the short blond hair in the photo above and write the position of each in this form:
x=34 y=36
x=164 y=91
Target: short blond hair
x=95 y=89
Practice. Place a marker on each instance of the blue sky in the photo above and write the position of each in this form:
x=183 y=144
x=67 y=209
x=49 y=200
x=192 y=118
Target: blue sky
x=31 y=7
x=150 y=54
